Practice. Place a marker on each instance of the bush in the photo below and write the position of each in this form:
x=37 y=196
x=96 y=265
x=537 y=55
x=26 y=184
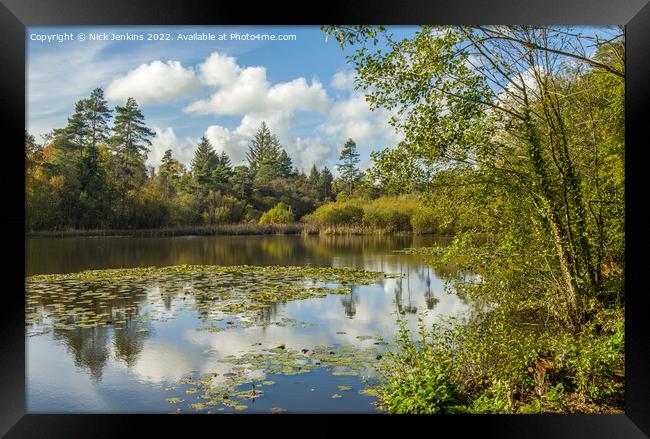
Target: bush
x=494 y=365
x=390 y=214
x=280 y=214
x=336 y=214
x=413 y=379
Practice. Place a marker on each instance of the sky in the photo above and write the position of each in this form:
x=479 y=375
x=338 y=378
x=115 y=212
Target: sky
x=222 y=89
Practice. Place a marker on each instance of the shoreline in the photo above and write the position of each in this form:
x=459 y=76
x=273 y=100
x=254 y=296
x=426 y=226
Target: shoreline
x=217 y=230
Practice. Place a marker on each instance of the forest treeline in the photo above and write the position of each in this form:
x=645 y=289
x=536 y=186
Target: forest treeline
x=92 y=174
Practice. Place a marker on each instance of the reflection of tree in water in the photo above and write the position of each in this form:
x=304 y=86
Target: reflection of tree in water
x=350 y=303
x=399 y=294
x=429 y=298
x=267 y=314
x=88 y=346
x=128 y=342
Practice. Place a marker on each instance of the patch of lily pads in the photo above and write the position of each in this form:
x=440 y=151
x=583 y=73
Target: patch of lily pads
x=117 y=296
x=230 y=390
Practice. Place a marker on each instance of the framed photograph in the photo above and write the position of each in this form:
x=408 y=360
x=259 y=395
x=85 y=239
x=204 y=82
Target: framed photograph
x=395 y=214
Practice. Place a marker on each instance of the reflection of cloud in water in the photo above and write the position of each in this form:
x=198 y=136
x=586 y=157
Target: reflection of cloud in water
x=162 y=361
x=375 y=314
x=130 y=363
x=45 y=386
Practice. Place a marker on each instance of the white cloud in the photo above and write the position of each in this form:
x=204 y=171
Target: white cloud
x=297 y=95
x=343 y=80
x=164 y=139
x=49 y=106
x=219 y=70
x=353 y=118
x=247 y=92
x=241 y=91
x=154 y=82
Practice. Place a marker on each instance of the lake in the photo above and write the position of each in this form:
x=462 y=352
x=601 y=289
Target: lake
x=157 y=345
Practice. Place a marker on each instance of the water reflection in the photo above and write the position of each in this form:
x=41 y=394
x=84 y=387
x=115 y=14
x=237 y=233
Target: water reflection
x=349 y=303
x=153 y=337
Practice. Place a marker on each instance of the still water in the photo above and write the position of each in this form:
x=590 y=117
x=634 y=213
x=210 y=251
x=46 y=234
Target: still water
x=147 y=365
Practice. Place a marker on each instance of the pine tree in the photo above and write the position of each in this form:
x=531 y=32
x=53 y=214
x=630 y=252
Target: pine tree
x=314 y=177
x=222 y=172
x=130 y=141
x=96 y=114
x=349 y=159
x=284 y=164
x=325 y=184
x=204 y=161
x=265 y=148
x=170 y=172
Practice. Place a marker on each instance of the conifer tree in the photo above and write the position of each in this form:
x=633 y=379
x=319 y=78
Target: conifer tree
x=349 y=159
x=131 y=139
x=204 y=161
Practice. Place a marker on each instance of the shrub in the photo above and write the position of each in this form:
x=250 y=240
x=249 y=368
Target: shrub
x=280 y=214
x=337 y=214
x=413 y=379
x=492 y=364
x=390 y=214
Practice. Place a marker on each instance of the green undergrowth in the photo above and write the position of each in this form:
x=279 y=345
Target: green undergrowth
x=492 y=366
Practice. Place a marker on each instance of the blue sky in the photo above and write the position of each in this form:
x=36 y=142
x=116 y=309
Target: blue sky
x=220 y=89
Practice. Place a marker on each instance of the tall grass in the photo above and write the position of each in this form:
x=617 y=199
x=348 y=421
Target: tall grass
x=389 y=214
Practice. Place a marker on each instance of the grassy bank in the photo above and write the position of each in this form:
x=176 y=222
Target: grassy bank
x=208 y=230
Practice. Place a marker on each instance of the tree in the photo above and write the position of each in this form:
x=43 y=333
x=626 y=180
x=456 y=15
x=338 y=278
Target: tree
x=204 y=161
x=130 y=141
x=76 y=158
x=486 y=104
x=265 y=149
x=325 y=184
x=169 y=173
x=284 y=164
x=314 y=177
x=222 y=172
x=349 y=159
x=280 y=214
x=241 y=182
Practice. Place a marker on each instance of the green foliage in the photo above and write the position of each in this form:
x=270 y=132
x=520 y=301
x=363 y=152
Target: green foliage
x=280 y=214
x=388 y=214
x=336 y=214
x=508 y=122
x=492 y=365
x=92 y=176
x=348 y=166
x=514 y=137
x=411 y=380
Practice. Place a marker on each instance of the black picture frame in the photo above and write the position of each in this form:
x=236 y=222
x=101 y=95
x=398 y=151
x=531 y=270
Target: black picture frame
x=15 y=15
